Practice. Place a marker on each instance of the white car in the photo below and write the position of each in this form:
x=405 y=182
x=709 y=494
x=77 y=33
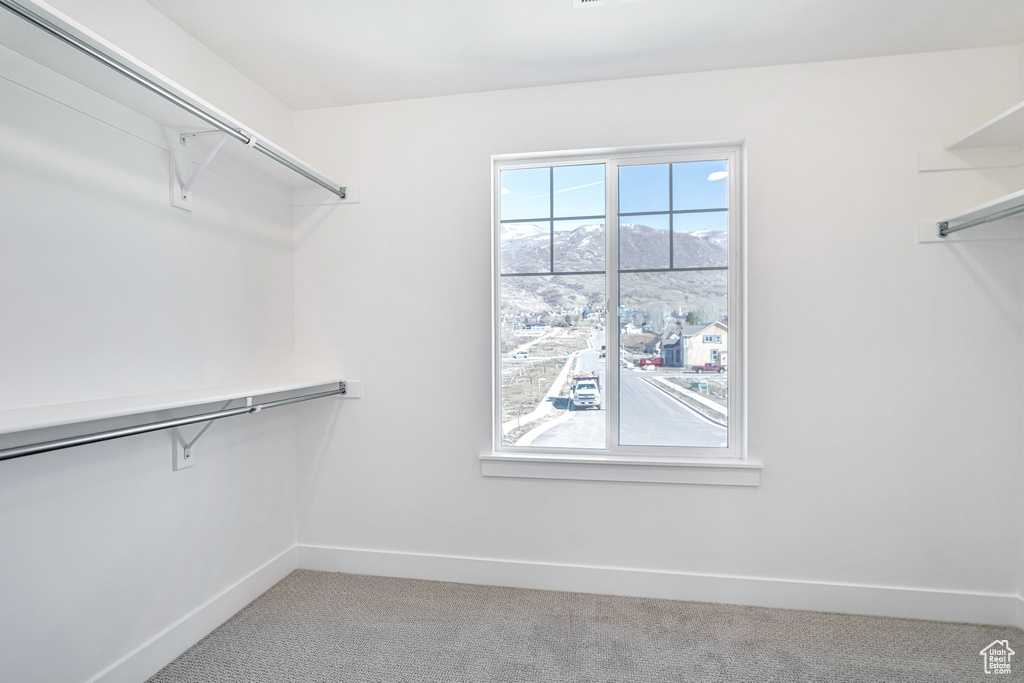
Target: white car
x=521 y=354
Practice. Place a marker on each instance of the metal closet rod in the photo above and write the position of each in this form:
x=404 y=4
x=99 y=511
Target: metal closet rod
x=70 y=442
x=151 y=85
x=945 y=230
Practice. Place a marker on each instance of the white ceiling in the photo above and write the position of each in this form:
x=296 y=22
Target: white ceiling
x=322 y=53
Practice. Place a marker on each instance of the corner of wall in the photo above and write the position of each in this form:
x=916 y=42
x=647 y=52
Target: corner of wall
x=160 y=650
x=1020 y=70
x=146 y=33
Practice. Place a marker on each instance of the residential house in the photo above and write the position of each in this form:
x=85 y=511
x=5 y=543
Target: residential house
x=696 y=345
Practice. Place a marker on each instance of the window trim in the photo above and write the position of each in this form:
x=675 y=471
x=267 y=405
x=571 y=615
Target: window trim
x=631 y=468
x=613 y=454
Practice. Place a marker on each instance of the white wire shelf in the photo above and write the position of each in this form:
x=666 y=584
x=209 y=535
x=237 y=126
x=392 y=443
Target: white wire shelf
x=1004 y=130
x=55 y=54
x=45 y=416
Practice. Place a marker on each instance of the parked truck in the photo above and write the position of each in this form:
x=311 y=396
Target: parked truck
x=709 y=367
x=586 y=390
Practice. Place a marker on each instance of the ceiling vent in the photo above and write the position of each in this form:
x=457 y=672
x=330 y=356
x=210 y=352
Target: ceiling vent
x=580 y=4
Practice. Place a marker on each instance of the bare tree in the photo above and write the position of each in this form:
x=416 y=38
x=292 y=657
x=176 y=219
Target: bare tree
x=660 y=315
x=508 y=336
x=706 y=313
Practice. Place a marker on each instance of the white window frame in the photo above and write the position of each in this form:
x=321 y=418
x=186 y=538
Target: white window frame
x=728 y=465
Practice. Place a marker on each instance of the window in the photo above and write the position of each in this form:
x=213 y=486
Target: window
x=606 y=268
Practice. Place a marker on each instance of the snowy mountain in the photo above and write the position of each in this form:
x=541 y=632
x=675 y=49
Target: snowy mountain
x=527 y=249
x=718 y=237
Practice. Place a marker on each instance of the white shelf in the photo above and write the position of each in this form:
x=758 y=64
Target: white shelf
x=43 y=49
x=994 y=206
x=57 y=414
x=998 y=143
x=1011 y=228
x=1005 y=130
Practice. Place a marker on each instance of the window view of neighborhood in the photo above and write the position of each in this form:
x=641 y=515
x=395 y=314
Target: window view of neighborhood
x=672 y=317
x=552 y=310
x=673 y=304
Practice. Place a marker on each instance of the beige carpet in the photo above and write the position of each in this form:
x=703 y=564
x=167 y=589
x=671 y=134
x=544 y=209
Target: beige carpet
x=319 y=627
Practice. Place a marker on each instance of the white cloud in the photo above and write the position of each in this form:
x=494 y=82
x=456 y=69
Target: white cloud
x=718 y=175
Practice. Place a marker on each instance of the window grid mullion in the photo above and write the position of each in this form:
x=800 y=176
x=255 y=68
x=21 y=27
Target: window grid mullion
x=551 y=214
x=560 y=218
x=557 y=272
x=671 y=223
x=611 y=370
x=654 y=213
x=627 y=271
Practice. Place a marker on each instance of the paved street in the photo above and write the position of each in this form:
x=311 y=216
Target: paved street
x=648 y=416
x=585 y=428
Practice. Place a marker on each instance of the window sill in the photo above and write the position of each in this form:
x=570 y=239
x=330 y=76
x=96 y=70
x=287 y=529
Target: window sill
x=658 y=470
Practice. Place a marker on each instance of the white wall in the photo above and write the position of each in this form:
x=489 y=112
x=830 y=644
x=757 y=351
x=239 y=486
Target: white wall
x=879 y=444
x=109 y=290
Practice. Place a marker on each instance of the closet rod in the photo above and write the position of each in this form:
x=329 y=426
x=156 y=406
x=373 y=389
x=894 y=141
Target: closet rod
x=45 y=446
x=151 y=85
x=945 y=230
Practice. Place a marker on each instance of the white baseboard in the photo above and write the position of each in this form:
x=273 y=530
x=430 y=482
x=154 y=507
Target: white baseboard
x=911 y=603
x=162 y=648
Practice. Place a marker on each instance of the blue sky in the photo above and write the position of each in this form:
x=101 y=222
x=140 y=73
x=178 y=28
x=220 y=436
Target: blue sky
x=580 y=191
x=695 y=185
x=700 y=185
x=643 y=188
x=526 y=193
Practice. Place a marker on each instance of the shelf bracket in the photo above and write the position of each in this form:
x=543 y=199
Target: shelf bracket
x=212 y=131
x=183 y=177
x=183 y=456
